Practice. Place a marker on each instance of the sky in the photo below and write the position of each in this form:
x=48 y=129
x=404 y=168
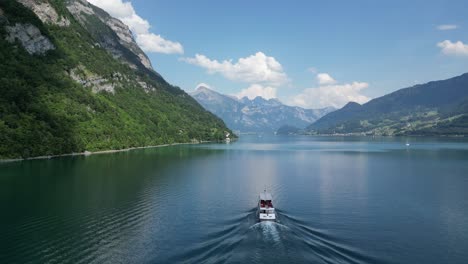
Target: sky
x=311 y=54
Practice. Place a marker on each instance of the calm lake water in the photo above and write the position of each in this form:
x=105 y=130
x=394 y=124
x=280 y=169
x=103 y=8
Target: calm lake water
x=339 y=200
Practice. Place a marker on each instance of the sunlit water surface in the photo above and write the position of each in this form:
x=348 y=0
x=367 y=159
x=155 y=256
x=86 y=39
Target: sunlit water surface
x=339 y=200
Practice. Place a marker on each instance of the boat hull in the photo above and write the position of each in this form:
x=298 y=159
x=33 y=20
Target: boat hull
x=267 y=217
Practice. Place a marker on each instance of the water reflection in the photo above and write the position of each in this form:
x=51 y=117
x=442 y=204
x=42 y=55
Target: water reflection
x=339 y=200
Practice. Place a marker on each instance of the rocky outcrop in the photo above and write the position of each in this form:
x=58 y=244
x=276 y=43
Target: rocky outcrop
x=46 y=13
x=30 y=38
x=108 y=84
x=96 y=82
x=146 y=86
x=78 y=8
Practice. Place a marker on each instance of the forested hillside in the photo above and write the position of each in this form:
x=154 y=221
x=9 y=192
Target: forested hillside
x=434 y=108
x=62 y=90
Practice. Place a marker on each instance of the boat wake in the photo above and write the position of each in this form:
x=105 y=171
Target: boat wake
x=322 y=244
x=218 y=246
x=245 y=240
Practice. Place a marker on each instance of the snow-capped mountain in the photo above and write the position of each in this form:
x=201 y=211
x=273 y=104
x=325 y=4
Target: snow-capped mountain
x=257 y=115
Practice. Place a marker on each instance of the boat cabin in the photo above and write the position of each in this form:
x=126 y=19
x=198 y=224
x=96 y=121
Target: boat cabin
x=265 y=200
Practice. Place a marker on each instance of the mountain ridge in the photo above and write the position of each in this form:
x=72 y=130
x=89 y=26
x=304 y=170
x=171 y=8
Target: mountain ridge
x=418 y=109
x=256 y=115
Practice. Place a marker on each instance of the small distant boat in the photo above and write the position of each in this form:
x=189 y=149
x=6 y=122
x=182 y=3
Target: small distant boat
x=266 y=211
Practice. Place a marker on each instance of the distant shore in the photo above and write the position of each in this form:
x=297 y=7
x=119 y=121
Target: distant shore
x=369 y=135
x=88 y=153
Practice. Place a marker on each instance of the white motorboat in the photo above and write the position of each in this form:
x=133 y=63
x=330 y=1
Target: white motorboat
x=266 y=211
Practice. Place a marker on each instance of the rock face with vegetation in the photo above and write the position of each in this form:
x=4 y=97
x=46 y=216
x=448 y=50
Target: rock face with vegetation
x=110 y=33
x=45 y=12
x=434 y=108
x=30 y=38
x=72 y=79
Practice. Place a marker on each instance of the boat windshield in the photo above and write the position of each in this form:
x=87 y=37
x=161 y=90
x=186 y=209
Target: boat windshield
x=266 y=203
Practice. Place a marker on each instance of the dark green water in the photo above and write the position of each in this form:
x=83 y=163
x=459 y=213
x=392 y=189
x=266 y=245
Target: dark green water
x=339 y=200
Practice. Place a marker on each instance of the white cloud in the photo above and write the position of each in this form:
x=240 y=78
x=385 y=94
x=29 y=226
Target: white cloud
x=156 y=43
x=325 y=78
x=447 y=27
x=148 y=41
x=258 y=68
x=330 y=94
x=255 y=90
x=312 y=70
x=453 y=48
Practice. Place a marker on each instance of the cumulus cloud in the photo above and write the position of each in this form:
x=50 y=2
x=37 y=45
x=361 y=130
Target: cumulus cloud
x=330 y=94
x=155 y=43
x=453 y=48
x=255 y=90
x=325 y=78
x=258 y=68
x=140 y=27
x=447 y=27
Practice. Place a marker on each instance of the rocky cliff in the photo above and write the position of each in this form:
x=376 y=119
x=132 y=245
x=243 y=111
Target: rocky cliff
x=112 y=40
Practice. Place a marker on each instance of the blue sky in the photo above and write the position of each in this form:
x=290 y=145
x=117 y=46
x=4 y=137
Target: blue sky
x=307 y=53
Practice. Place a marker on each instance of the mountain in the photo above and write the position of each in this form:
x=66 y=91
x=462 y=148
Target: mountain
x=72 y=78
x=289 y=130
x=257 y=115
x=434 y=108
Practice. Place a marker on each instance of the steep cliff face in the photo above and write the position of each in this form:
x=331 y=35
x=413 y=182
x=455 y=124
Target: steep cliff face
x=125 y=37
x=62 y=90
x=119 y=35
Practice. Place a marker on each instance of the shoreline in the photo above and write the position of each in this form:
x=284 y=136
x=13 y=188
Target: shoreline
x=88 y=153
x=389 y=136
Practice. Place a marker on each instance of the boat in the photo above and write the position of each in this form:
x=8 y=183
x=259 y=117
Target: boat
x=266 y=211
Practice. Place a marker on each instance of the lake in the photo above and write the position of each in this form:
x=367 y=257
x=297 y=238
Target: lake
x=339 y=200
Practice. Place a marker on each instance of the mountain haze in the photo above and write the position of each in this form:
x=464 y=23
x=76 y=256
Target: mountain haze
x=257 y=115
x=434 y=108
x=72 y=79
